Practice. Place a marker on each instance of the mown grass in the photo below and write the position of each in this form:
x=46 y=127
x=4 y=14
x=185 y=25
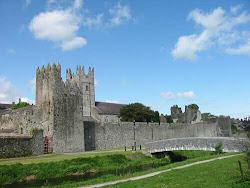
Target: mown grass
x=193 y=156
x=47 y=158
x=220 y=173
x=17 y=172
x=102 y=163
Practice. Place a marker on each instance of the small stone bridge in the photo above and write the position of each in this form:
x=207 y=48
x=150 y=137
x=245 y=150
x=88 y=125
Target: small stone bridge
x=229 y=144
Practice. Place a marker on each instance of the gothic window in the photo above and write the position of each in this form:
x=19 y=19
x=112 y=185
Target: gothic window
x=87 y=88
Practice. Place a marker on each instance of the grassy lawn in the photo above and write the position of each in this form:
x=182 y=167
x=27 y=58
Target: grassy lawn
x=77 y=166
x=111 y=177
x=46 y=158
x=104 y=162
x=220 y=173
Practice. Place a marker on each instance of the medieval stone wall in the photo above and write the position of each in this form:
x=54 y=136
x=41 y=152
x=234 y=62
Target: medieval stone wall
x=109 y=118
x=68 y=121
x=24 y=120
x=22 y=145
x=113 y=135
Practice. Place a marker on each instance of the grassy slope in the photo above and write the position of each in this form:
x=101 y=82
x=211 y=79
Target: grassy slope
x=221 y=173
x=17 y=172
x=102 y=162
x=47 y=158
x=193 y=156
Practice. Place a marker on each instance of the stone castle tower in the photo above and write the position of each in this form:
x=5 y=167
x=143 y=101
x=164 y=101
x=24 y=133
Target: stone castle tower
x=63 y=105
x=86 y=85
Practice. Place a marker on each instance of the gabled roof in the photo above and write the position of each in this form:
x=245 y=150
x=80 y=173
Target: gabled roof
x=105 y=108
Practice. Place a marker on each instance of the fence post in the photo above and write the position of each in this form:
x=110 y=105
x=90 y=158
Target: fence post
x=241 y=171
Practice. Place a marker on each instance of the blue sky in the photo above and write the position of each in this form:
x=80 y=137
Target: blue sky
x=159 y=53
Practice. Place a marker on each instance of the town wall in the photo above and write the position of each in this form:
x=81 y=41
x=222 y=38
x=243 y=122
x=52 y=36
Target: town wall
x=114 y=135
x=22 y=145
x=24 y=120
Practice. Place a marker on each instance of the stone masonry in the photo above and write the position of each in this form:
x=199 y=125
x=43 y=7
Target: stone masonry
x=73 y=121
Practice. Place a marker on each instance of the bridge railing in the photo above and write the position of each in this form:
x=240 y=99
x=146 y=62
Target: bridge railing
x=196 y=143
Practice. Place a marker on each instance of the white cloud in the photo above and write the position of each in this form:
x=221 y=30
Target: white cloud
x=171 y=95
x=78 y=4
x=218 y=27
x=8 y=92
x=59 y=26
x=76 y=42
x=94 y=22
x=110 y=101
x=235 y=9
x=32 y=85
x=54 y=26
x=120 y=14
x=241 y=50
x=25 y=100
x=168 y=95
x=154 y=106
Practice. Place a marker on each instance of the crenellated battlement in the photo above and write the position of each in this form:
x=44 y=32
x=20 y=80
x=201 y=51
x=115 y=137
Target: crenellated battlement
x=80 y=74
x=49 y=71
x=50 y=85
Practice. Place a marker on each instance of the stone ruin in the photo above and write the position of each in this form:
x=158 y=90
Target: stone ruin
x=192 y=114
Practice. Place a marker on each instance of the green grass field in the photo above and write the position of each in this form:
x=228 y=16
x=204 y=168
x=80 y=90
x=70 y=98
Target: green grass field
x=217 y=174
x=104 y=162
x=101 y=163
x=47 y=158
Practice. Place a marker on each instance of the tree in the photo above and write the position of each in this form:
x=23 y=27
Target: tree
x=139 y=113
x=193 y=106
x=169 y=119
x=19 y=105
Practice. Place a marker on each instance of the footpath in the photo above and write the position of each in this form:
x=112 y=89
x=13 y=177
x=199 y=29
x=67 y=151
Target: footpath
x=157 y=173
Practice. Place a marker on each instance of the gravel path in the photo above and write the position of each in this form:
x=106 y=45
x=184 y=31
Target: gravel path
x=157 y=173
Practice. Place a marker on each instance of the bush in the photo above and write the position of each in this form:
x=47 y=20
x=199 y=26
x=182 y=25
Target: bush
x=218 y=148
x=234 y=129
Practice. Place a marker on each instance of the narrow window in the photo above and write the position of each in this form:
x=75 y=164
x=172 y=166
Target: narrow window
x=87 y=88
